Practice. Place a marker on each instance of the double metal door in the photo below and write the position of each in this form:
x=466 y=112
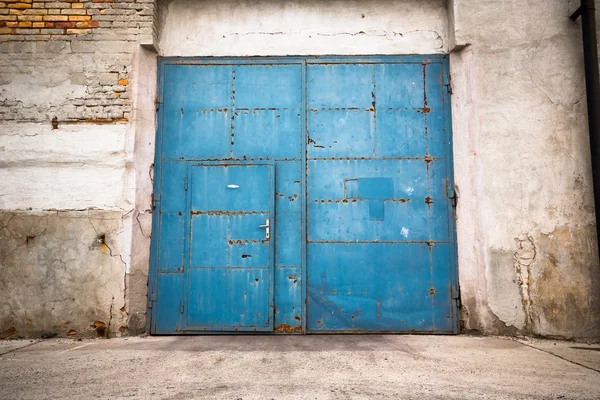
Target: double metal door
x=304 y=195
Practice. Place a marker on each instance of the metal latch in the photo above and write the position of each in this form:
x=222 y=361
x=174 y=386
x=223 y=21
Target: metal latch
x=267 y=230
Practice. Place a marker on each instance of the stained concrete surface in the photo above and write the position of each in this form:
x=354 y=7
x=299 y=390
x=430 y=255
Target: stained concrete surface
x=584 y=354
x=295 y=367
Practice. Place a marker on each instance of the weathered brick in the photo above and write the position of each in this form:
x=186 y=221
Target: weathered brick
x=77 y=31
x=73 y=12
x=52 y=31
x=38 y=24
x=108 y=78
x=117 y=12
x=58 y=5
x=30 y=17
x=77 y=5
x=20 y=6
x=55 y=18
x=6 y=31
x=26 y=31
x=105 y=17
x=35 y=11
x=25 y=24
x=8 y=17
x=79 y=17
x=64 y=25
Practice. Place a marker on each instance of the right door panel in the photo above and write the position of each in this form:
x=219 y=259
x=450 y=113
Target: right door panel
x=380 y=249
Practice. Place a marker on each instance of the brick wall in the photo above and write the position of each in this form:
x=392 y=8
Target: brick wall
x=46 y=18
x=70 y=59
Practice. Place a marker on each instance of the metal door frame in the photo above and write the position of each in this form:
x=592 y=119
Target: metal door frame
x=443 y=59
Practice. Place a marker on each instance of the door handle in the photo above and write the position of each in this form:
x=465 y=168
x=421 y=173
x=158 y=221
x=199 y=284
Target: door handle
x=267 y=230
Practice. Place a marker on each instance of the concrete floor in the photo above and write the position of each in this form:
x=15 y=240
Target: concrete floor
x=299 y=367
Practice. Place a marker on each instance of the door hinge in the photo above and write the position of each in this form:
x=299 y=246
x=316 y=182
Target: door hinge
x=155 y=199
x=157 y=102
x=452 y=195
x=448 y=85
x=455 y=294
x=185 y=184
x=153 y=299
x=181 y=309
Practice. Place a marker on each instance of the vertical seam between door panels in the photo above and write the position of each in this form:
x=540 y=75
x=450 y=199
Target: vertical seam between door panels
x=232 y=133
x=271 y=269
x=425 y=65
x=304 y=205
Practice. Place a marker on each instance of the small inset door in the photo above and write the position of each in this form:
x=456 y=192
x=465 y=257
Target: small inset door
x=230 y=275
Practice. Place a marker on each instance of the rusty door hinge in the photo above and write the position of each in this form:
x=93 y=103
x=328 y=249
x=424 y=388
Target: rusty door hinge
x=455 y=293
x=153 y=299
x=185 y=184
x=181 y=309
x=157 y=102
x=454 y=199
x=155 y=199
x=448 y=84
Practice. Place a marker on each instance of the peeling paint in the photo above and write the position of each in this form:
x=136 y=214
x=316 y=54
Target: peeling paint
x=524 y=258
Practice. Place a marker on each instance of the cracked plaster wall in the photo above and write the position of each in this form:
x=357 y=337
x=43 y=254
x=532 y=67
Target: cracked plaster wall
x=61 y=273
x=526 y=229
x=301 y=27
x=96 y=165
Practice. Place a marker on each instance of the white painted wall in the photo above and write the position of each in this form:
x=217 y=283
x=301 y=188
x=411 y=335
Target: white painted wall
x=74 y=167
x=302 y=27
x=526 y=233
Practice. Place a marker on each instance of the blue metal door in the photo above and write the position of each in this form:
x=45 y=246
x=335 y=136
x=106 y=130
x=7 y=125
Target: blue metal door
x=230 y=274
x=349 y=159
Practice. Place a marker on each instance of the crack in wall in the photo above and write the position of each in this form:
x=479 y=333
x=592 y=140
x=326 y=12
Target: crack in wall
x=390 y=35
x=42 y=252
x=524 y=258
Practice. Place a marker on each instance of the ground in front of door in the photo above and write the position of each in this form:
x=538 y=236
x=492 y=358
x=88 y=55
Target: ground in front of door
x=299 y=367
